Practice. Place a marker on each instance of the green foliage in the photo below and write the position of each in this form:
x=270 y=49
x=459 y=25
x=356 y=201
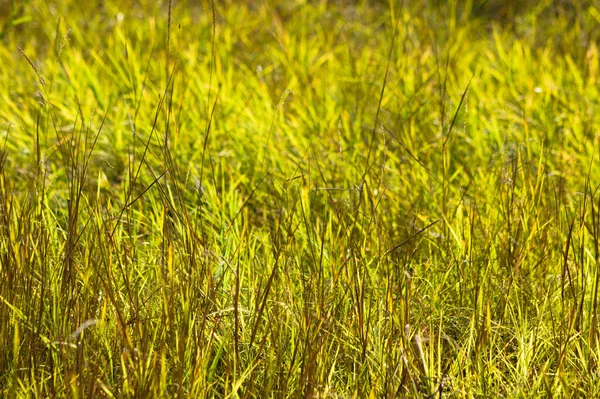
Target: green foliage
x=294 y=198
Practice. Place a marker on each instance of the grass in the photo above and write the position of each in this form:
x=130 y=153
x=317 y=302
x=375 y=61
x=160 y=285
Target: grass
x=293 y=198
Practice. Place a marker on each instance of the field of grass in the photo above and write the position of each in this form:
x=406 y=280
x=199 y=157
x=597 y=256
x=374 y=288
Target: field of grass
x=292 y=198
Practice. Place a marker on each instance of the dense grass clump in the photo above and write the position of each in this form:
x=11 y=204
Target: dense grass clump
x=299 y=198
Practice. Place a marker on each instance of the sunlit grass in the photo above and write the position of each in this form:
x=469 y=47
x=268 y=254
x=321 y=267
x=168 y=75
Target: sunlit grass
x=291 y=198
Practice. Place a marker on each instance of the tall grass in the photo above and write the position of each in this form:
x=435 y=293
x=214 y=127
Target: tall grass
x=291 y=198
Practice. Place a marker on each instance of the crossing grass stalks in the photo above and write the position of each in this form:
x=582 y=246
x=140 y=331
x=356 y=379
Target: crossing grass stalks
x=299 y=199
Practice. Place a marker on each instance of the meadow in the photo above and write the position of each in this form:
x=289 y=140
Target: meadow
x=293 y=198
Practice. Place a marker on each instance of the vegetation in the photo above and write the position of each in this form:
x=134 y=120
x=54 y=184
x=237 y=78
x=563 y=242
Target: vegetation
x=299 y=198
